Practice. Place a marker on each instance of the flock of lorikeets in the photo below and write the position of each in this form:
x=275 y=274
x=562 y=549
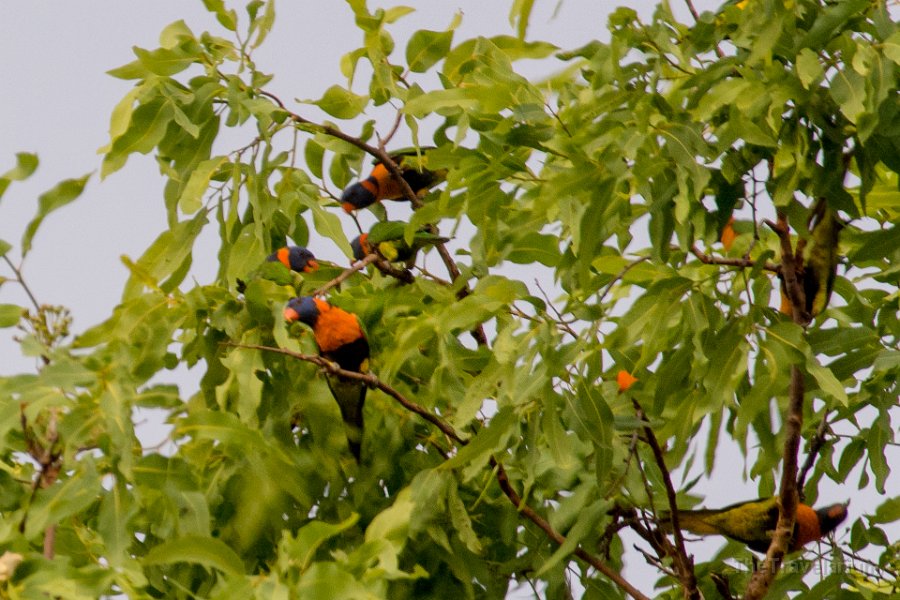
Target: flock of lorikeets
x=340 y=339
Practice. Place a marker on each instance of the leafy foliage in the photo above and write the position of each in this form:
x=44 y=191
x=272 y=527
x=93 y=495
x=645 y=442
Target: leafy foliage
x=613 y=178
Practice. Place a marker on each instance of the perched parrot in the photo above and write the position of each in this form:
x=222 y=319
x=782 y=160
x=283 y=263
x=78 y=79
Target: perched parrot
x=341 y=340
x=386 y=239
x=820 y=259
x=380 y=185
x=295 y=258
x=753 y=522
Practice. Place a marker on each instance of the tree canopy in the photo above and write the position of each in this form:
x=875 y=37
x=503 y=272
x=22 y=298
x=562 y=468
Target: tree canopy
x=665 y=191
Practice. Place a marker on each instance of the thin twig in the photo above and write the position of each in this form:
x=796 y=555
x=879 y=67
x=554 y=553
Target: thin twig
x=561 y=322
x=812 y=452
x=21 y=281
x=619 y=276
x=731 y=262
x=683 y=563
x=367 y=378
x=531 y=515
x=345 y=274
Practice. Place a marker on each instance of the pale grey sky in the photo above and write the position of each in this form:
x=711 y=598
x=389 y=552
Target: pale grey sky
x=56 y=101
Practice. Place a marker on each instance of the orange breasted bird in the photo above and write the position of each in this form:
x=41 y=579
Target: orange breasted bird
x=381 y=185
x=386 y=238
x=295 y=258
x=753 y=522
x=340 y=339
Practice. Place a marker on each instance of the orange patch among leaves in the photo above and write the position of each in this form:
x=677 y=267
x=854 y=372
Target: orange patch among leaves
x=625 y=380
x=728 y=234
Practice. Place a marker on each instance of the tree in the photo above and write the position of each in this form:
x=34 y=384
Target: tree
x=508 y=436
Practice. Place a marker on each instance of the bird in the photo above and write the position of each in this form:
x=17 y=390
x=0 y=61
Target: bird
x=381 y=185
x=295 y=258
x=753 y=522
x=386 y=238
x=820 y=259
x=341 y=340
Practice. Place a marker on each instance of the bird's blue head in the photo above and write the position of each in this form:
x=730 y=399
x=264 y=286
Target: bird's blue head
x=360 y=246
x=303 y=309
x=359 y=195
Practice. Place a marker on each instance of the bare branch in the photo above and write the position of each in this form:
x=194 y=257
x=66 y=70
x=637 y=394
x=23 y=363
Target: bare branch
x=731 y=262
x=683 y=563
x=21 y=281
x=345 y=274
x=787 y=504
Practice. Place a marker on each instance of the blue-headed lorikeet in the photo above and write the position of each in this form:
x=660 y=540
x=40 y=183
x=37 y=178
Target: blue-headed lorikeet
x=381 y=185
x=386 y=239
x=295 y=258
x=340 y=339
x=753 y=522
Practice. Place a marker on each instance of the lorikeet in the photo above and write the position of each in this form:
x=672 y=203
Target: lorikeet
x=381 y=185
x=753 y=522
x=340 y=339
x=386 y=238
x=820 y=259
x=295 y=258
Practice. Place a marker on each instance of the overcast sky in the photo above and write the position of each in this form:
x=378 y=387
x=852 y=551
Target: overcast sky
x=56 y=101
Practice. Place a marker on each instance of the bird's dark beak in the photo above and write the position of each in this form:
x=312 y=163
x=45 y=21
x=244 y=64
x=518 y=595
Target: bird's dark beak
x=290 y=315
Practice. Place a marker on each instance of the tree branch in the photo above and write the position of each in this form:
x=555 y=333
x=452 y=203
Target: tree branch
x=531 y=515
x=683 y=563
x=787 y=503
x=449 y=431
x=790 y=268
x=731 y=262
x=345 y=274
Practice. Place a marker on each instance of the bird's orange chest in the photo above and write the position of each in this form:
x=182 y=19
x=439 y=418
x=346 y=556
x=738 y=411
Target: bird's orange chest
x=334 y=328
x=807 y=523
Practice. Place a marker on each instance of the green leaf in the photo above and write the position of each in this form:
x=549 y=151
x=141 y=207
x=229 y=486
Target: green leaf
x=535 y=247
x=4 y=248
x=165 y=61
x=425 y=48
x=10 y=314
x=519 y=14
x=809 y=70
x=227 y=18
x=192 y=194
x=486 y=441
x=145 y=130
x=26 y=164
x=165 y=256
x=891 y=47
x=341 y=103
x=207 y=551
x=312 y=536
x=65 y=192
